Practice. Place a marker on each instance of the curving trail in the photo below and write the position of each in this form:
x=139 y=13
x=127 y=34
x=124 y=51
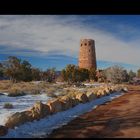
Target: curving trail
x=119 y=118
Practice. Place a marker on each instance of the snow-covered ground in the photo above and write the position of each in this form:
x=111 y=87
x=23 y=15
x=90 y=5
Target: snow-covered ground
x=95 y=84
x=19 y=103
x=45 y=126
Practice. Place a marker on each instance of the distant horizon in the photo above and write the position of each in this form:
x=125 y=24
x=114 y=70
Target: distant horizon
x=46 y=62
x=53 y=40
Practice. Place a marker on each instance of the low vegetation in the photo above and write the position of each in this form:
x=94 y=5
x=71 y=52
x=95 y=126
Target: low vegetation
x=8 y=106
x=25 y=79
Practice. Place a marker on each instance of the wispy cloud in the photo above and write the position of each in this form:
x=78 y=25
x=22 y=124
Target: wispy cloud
x=43 y=35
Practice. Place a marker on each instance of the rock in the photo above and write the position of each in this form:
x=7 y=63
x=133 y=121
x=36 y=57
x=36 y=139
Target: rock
x=55 y=106
x=91 y=96
x=118 y=88
x=106 y=90
x=125 y=89
x=111 y=89
x=100 y=93
x=82 y=97
x=95 y=90
x=39 y=110
x=103 y=92
x=66 y=102
x=3 y=130
x=75 y=102
x=18 y=118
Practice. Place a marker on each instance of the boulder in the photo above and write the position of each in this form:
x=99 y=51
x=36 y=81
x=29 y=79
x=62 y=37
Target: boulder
x=106 y=90
x=103 y=93
x=125 y=89
x=55 y=106
x=111 y=89
x=91 y=96
x=3 y=130
x=75 y=102
x=95 y=90
x=100 y=93
x=18 y=118
x=82 y=97
x=67 y=102
x=39 y=110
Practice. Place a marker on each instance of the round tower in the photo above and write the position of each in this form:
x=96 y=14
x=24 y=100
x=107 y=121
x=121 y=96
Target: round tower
x=87 y=55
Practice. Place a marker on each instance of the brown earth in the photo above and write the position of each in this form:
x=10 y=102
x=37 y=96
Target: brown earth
x=119 y=118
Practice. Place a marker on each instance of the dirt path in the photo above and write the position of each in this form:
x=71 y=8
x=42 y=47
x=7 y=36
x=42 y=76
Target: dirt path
x=118 y=118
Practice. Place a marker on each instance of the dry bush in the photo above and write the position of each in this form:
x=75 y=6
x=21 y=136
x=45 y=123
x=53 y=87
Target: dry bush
x=15 y=91
x=51 y=91
x=43 y=85
x=8 y=106
x=28 y=87
x=5 y=84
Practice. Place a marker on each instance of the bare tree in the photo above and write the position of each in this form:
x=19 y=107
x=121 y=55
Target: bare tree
x=116 y=74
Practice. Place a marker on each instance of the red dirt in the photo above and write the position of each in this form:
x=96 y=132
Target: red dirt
x=119 y=118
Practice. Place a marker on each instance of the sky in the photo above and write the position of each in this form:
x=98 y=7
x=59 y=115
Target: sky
x=54 y=40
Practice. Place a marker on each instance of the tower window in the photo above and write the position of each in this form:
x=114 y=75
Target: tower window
x=85 y=44
x=81 y=44
x=89 y=50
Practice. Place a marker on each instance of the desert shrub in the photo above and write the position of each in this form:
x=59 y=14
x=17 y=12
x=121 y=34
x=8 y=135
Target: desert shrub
x=43 y=85
x=52 y=95
x=35 y=91
x=5 y=84
x=8 y=105
x=15 y=91
x=51 y=92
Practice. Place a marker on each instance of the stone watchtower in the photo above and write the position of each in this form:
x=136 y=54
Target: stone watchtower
x=87 y=55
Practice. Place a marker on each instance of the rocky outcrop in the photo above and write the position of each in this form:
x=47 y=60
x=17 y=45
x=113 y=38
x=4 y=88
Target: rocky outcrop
x=106 y=90
x=91 y=96
x=82 y=97
x=124 y=89
x=3 y=130
x=18 y=118
x=55 y=106
x=39 y=110
x=75 y=102
x=66 y=102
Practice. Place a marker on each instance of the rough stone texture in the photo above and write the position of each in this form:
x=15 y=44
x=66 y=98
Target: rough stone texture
x=18 y=118
x=106 y=90
x=100 y=93
x=91 y=96
x=87 y=55
x=75 y=102
x=124 y=89
x=82 y=97
x=66 y=102
x=55 y=106
x=39 y=110
x=3 y=130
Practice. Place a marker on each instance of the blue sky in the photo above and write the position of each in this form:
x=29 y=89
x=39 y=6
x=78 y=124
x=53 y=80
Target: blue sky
x=53 y=40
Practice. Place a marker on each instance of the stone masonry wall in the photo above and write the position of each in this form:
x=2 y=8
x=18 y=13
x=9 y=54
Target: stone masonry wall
x=87 y=54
